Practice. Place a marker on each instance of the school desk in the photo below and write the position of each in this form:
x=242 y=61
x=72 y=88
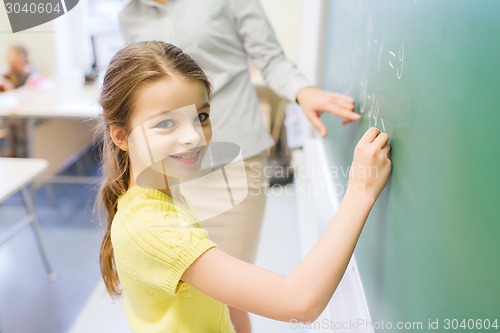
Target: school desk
x=16 y=174
x=64 y=112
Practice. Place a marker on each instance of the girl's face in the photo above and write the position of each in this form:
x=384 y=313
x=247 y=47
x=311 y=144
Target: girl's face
x=169 y=128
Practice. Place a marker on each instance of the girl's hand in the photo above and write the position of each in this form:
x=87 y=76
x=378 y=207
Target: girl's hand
x=371 y=165
x=315 y=102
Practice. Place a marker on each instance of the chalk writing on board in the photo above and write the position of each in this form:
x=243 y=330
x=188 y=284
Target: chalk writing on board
x=373 y=111
x=375 y=114
x=381 y=48
x=369 y=32
x=363 y=95
x=369 y=99
x=390 y=62
x=400 y=57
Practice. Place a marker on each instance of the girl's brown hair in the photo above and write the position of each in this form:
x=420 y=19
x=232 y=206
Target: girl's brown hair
x=131 y=67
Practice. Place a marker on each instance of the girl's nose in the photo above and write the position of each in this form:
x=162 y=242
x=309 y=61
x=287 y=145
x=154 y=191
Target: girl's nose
x=190 y=136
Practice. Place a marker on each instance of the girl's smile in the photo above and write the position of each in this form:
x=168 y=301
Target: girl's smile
x=189 y=157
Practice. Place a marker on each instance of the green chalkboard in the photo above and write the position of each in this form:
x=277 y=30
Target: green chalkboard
x=428 y=73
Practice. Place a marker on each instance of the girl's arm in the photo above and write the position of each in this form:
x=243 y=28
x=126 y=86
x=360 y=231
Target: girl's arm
x=304 y=293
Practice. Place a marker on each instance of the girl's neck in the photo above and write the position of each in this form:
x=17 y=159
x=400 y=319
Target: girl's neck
x=150 y=178
x=175 y=193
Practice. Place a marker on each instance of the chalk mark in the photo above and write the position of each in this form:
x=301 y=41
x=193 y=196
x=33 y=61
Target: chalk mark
x=401 y=58
x=375 y=115
x=380 y=53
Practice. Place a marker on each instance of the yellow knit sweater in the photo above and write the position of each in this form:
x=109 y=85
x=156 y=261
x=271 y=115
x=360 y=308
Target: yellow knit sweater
x=155 y=240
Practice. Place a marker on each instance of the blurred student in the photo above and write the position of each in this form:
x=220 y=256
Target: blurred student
x=19 y=69
x=18 y=73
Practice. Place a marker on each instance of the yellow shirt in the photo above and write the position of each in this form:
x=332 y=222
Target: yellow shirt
x=154 y=241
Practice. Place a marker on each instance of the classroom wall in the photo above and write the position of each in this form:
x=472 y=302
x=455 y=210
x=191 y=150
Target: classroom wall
x=284 y=17
x=72 y=41
x=311 y=24
x=59 y=47
x=40 y=42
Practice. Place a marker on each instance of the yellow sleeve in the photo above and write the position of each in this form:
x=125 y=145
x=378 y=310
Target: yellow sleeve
x=187 y=244
x=172 y=250
x=155 y=242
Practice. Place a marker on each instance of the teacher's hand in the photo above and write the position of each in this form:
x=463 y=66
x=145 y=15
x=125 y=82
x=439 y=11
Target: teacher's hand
x=315 y=102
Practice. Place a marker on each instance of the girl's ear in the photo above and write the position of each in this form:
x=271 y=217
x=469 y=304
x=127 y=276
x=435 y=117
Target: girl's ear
x=119 y=137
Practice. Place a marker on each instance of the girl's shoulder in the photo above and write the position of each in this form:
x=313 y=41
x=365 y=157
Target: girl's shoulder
x=147 y=220
x=147 y=204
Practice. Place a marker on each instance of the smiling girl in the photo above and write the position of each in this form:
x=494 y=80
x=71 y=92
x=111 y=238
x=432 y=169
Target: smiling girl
x=156 y=111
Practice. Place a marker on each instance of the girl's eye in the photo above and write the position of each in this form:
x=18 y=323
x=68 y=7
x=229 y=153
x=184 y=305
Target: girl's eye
x=203 y=116
x=167 y=123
